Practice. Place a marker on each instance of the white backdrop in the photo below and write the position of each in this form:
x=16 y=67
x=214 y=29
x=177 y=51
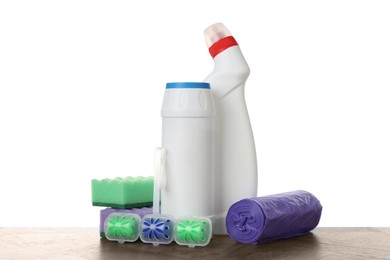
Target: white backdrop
x=82 y=82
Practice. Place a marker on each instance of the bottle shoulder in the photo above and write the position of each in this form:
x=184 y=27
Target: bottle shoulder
x=230 y=71
x=231 y=61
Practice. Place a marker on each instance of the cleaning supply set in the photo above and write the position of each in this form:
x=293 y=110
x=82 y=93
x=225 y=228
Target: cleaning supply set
x=205 y=179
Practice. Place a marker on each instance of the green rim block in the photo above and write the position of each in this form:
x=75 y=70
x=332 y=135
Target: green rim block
x=122 y=227
x=193 y=231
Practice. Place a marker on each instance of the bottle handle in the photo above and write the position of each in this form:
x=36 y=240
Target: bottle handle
x=160 y=159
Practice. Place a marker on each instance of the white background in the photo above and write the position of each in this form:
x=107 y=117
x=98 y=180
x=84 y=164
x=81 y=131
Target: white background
x=82 y=82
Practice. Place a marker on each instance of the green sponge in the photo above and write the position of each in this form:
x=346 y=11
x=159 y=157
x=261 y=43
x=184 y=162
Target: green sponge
x=123 y=193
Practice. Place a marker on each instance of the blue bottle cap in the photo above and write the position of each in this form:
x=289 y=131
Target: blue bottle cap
x=204 y=85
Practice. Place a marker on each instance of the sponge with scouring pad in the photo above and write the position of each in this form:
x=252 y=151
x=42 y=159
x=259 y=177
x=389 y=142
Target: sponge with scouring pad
x=129 y=192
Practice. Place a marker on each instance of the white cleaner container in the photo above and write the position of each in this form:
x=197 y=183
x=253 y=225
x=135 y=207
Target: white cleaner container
x=236 y=165
x=188 y=114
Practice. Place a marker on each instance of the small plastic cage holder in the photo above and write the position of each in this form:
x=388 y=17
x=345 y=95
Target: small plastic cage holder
x=122 y=227
x=157 y=229
x=193 y=231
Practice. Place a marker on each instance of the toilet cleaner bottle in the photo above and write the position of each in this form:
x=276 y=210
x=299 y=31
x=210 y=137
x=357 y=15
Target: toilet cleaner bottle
x=235 y=152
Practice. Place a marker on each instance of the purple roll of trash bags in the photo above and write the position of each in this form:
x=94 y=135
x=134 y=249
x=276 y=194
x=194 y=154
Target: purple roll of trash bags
x=264 y=219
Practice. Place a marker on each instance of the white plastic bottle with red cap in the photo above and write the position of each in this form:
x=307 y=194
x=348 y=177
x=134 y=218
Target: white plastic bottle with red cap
x=235 y=152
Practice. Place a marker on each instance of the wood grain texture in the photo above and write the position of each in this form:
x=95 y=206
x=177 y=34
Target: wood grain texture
x=85 y=243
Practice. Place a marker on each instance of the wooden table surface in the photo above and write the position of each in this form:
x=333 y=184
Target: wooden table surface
x=85 y=243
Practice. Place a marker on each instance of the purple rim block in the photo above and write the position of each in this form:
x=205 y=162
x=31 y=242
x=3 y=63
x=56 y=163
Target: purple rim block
x=264 y=219
x=107 y=211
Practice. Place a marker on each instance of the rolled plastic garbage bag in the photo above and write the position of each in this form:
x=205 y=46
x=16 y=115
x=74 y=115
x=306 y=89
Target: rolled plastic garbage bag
x=264 y=219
